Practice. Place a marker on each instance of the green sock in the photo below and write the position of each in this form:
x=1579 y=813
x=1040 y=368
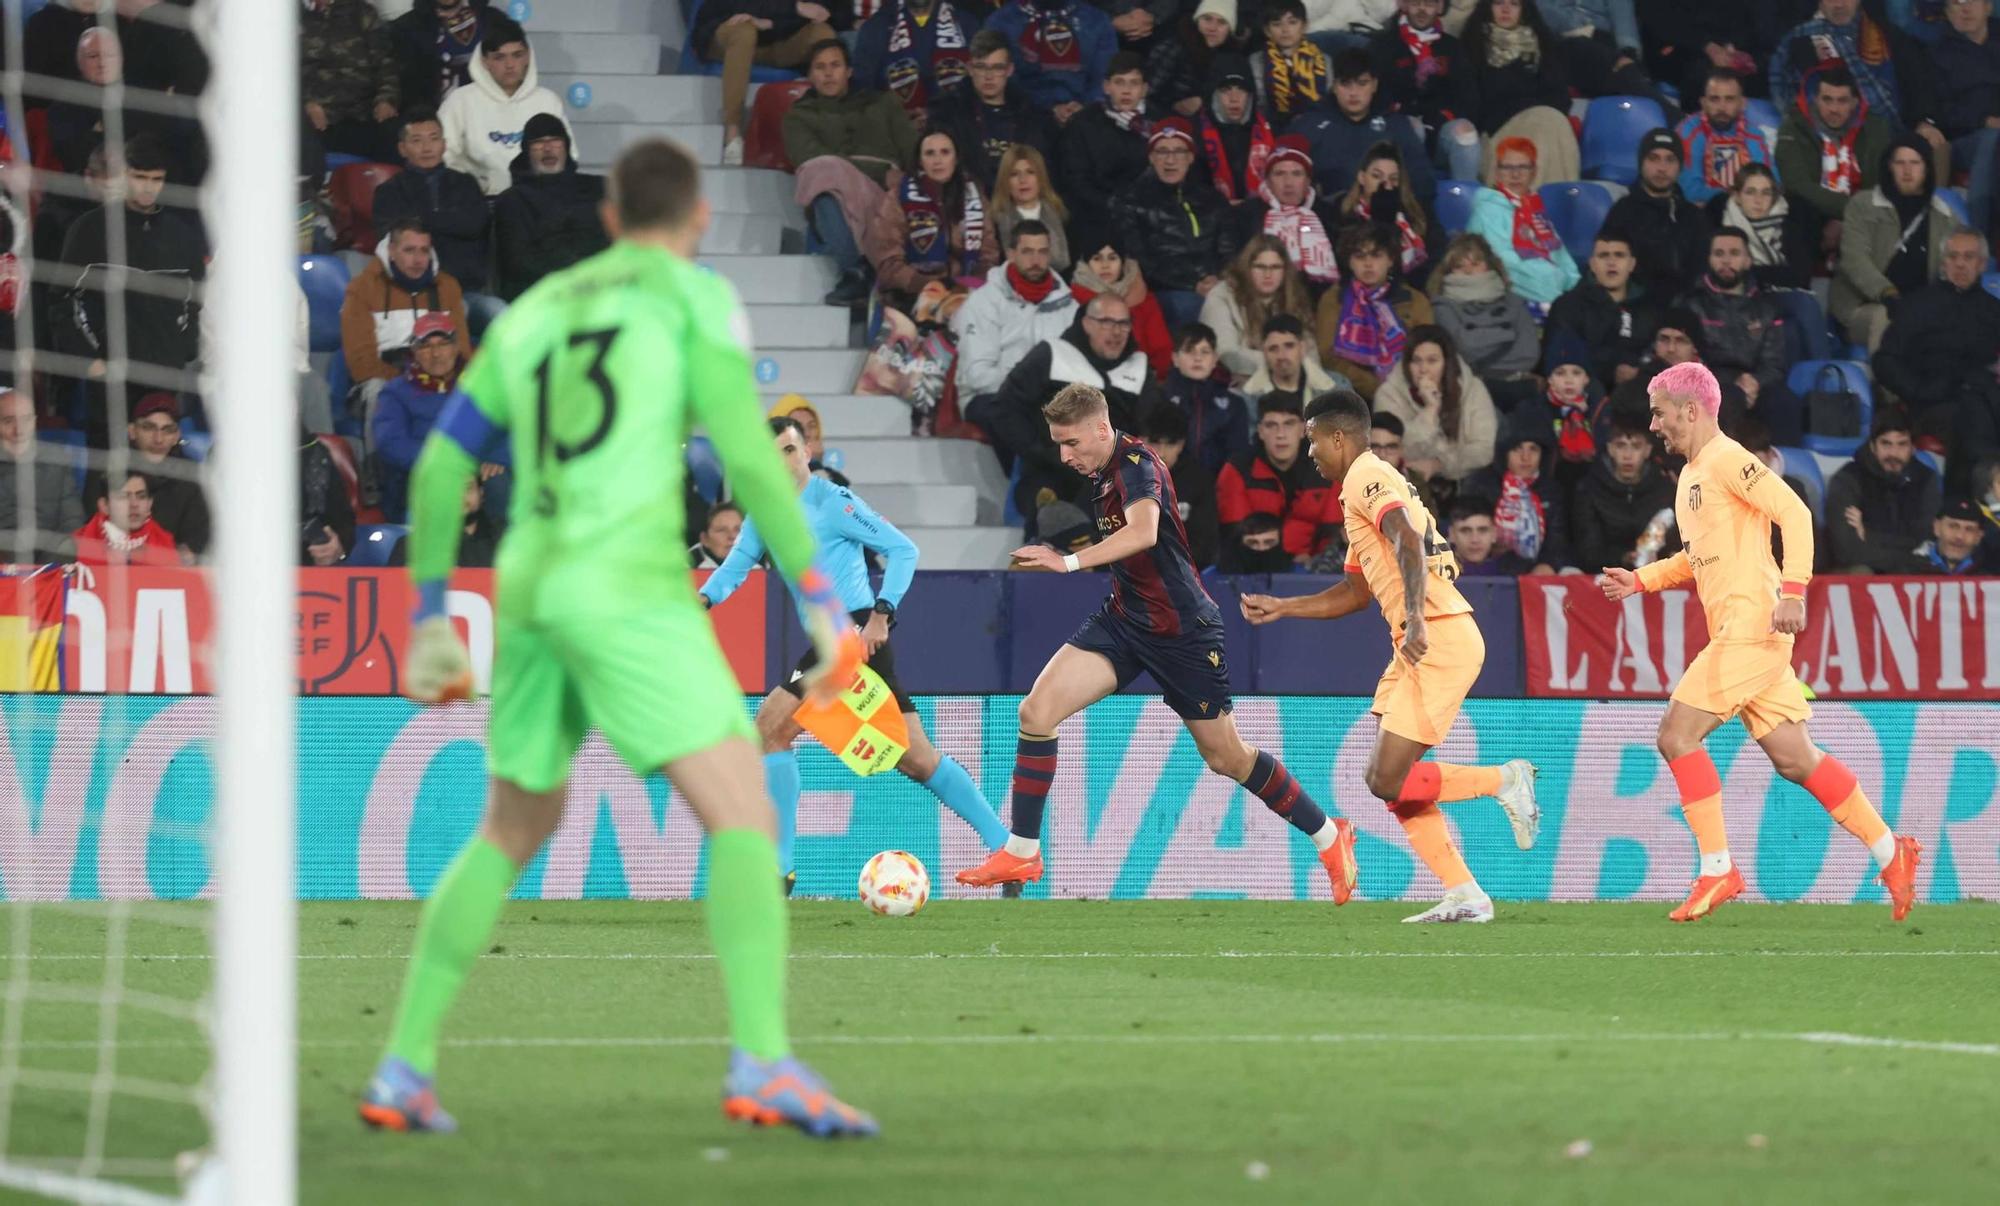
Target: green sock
x=747 y=925
x=458 y=919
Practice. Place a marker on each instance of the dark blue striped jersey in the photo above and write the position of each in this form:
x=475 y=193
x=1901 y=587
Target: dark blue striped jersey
x=1159 y=588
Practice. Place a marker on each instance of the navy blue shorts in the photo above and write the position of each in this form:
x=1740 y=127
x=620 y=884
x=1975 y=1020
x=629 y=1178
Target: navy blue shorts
x=1192 y=669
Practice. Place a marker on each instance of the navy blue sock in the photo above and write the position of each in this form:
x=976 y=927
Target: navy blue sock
x=1034 y=774
x=1270 y=782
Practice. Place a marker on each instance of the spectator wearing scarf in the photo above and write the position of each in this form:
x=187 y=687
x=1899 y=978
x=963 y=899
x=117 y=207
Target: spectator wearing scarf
x=1782 y=251
x=1103 y=148
x=1823 y=163
x=1873 y=50
x=1529 y=508
x=1512 y=220
x=1063 y=50
x=1364 y=324
x=408 y=409
x=435 y=42
x=931 y=225
x=1290 y=78
x=1105 y=264
x=916 y=51
x=1289 y=209
x=1381 y=194
x=1236 y=139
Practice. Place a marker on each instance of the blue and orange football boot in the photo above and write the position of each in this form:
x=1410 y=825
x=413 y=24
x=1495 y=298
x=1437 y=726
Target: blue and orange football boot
x=784 y=1092
x=400 y=1099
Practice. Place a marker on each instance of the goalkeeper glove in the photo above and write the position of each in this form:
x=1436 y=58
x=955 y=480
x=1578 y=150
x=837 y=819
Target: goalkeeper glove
x=439 y=668
x=834 y=638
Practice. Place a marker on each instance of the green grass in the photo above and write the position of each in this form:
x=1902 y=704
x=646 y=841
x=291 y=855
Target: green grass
x=1145 y=1063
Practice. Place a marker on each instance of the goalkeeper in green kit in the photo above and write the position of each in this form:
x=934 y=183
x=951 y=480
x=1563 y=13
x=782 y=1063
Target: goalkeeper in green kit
x=594 y=378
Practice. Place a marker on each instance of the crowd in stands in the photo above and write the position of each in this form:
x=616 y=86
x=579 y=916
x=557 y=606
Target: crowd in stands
x=1214 y=209
x=1210 y=209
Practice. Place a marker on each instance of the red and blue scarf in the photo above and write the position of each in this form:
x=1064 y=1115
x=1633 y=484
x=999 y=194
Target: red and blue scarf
x=1369 y=334
x=914 y=77
x=927 y=229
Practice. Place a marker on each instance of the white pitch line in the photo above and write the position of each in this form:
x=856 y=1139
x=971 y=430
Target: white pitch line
x=1362 y=1038
x=886 y=956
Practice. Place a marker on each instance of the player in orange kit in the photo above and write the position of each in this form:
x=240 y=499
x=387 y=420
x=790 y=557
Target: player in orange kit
x=1396 y=557
x=1725 y=503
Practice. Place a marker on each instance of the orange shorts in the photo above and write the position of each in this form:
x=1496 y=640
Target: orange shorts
x=1420 y=702
x=1754 y=681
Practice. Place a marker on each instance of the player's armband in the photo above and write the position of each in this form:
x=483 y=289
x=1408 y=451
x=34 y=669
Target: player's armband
x=464 y=424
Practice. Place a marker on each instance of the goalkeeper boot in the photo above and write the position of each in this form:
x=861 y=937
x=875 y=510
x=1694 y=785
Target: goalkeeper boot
x=1900 y=876
x=1708 y=892
x=1517 y=796
x=400 y=1099
x=784 y=1092
x=1338 y=859
x=1001 y=867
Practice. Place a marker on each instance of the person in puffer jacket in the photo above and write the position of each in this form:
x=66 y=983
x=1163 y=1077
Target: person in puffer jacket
x=549 y=220
x=1494 y=331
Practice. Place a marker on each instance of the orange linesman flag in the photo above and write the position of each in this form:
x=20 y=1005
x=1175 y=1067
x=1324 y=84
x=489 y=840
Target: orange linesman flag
x=31 y=629
x=863 y=725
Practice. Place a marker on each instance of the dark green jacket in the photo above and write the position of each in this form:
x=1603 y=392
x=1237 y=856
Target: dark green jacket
x=869 y=129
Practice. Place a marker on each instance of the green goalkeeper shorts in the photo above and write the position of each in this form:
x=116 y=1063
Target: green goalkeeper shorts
x=655 y=684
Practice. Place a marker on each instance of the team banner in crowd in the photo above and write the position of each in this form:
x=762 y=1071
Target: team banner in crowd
x=1865 y=638
x=143 y=631
x=109 y=797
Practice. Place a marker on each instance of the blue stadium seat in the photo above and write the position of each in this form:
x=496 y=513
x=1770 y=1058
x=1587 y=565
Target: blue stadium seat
x=325 y=279
x=1454 y=204
x=340 y=159
x=1765 y=116
x=1577 y=208
x=704 y=467
x=1804 y=465
x=1992 y=283
x=1010 y=513
x=1929 y=460
x=1955 y=202
x=374 y=542
x=1854 y=376
x=693 y=64
x=197 y=444
x=1611 y=133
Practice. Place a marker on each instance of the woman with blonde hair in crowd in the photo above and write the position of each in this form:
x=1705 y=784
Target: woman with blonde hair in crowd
x=1449 y=423
x=1022 y=192
x=1381 y=193
x=1260 y=282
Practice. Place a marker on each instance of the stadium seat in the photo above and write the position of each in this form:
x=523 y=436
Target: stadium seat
x=353 y=194
x=693 y=64
x=1577 y=208
x=705 y=468
x=1955 y=202
x=374 y=543
x=1611 y=133
x=1854 y=376
x=1765 y=117
x=1454 y=204
x=335 y=160
x=1804 y=465
x=197 y=444
x=325 y=279
x=1992 y=283
x=764 y=137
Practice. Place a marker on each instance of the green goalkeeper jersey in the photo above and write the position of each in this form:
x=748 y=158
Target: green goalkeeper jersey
x=597 y=376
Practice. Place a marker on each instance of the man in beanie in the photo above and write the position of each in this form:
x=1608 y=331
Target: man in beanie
x=1667 y=232
x=1954 y=544
x=1341 y=134
x=549 y=219
x=1178 y=226
x=1235 y=139
x=1292 y=211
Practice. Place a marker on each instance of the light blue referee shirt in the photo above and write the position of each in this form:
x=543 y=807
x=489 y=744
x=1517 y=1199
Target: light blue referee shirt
x=846 y=529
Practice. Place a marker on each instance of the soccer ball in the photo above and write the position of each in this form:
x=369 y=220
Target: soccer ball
x=895 y=884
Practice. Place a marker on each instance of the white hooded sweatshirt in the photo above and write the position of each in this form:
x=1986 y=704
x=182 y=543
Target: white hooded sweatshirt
x=482 y=125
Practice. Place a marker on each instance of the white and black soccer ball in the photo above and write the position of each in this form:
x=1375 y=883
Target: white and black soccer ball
x=895 y=884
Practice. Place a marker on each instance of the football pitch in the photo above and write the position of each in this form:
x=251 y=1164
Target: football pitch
x=1070 y=1051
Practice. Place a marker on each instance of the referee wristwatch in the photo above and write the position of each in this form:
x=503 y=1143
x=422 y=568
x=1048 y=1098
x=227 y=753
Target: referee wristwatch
x=884 y=608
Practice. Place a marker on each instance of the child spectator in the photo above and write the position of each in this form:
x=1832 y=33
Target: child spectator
x=1218 y=418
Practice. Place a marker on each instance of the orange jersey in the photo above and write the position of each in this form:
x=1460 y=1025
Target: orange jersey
x=1725 y=503
x=1370 y=491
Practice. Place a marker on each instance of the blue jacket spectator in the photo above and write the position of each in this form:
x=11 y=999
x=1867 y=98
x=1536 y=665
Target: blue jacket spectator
x=915 y=50
x=1062 y=49
x=409 y=406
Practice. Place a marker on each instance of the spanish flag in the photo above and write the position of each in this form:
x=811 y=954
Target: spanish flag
x=32 y=603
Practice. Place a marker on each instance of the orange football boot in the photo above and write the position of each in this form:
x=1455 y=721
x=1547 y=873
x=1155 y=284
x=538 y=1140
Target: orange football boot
x=1338 y=859
x=1709 y=891
x=1900 y=876
x=1001 y=867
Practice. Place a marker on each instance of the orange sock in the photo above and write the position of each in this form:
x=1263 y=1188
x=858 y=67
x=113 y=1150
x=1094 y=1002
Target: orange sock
x=1837 y=791
x=1431 y=839
x=1701 y=800
x=1466 y=782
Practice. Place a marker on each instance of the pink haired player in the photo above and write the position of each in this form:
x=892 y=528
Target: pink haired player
x=1725 y=502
